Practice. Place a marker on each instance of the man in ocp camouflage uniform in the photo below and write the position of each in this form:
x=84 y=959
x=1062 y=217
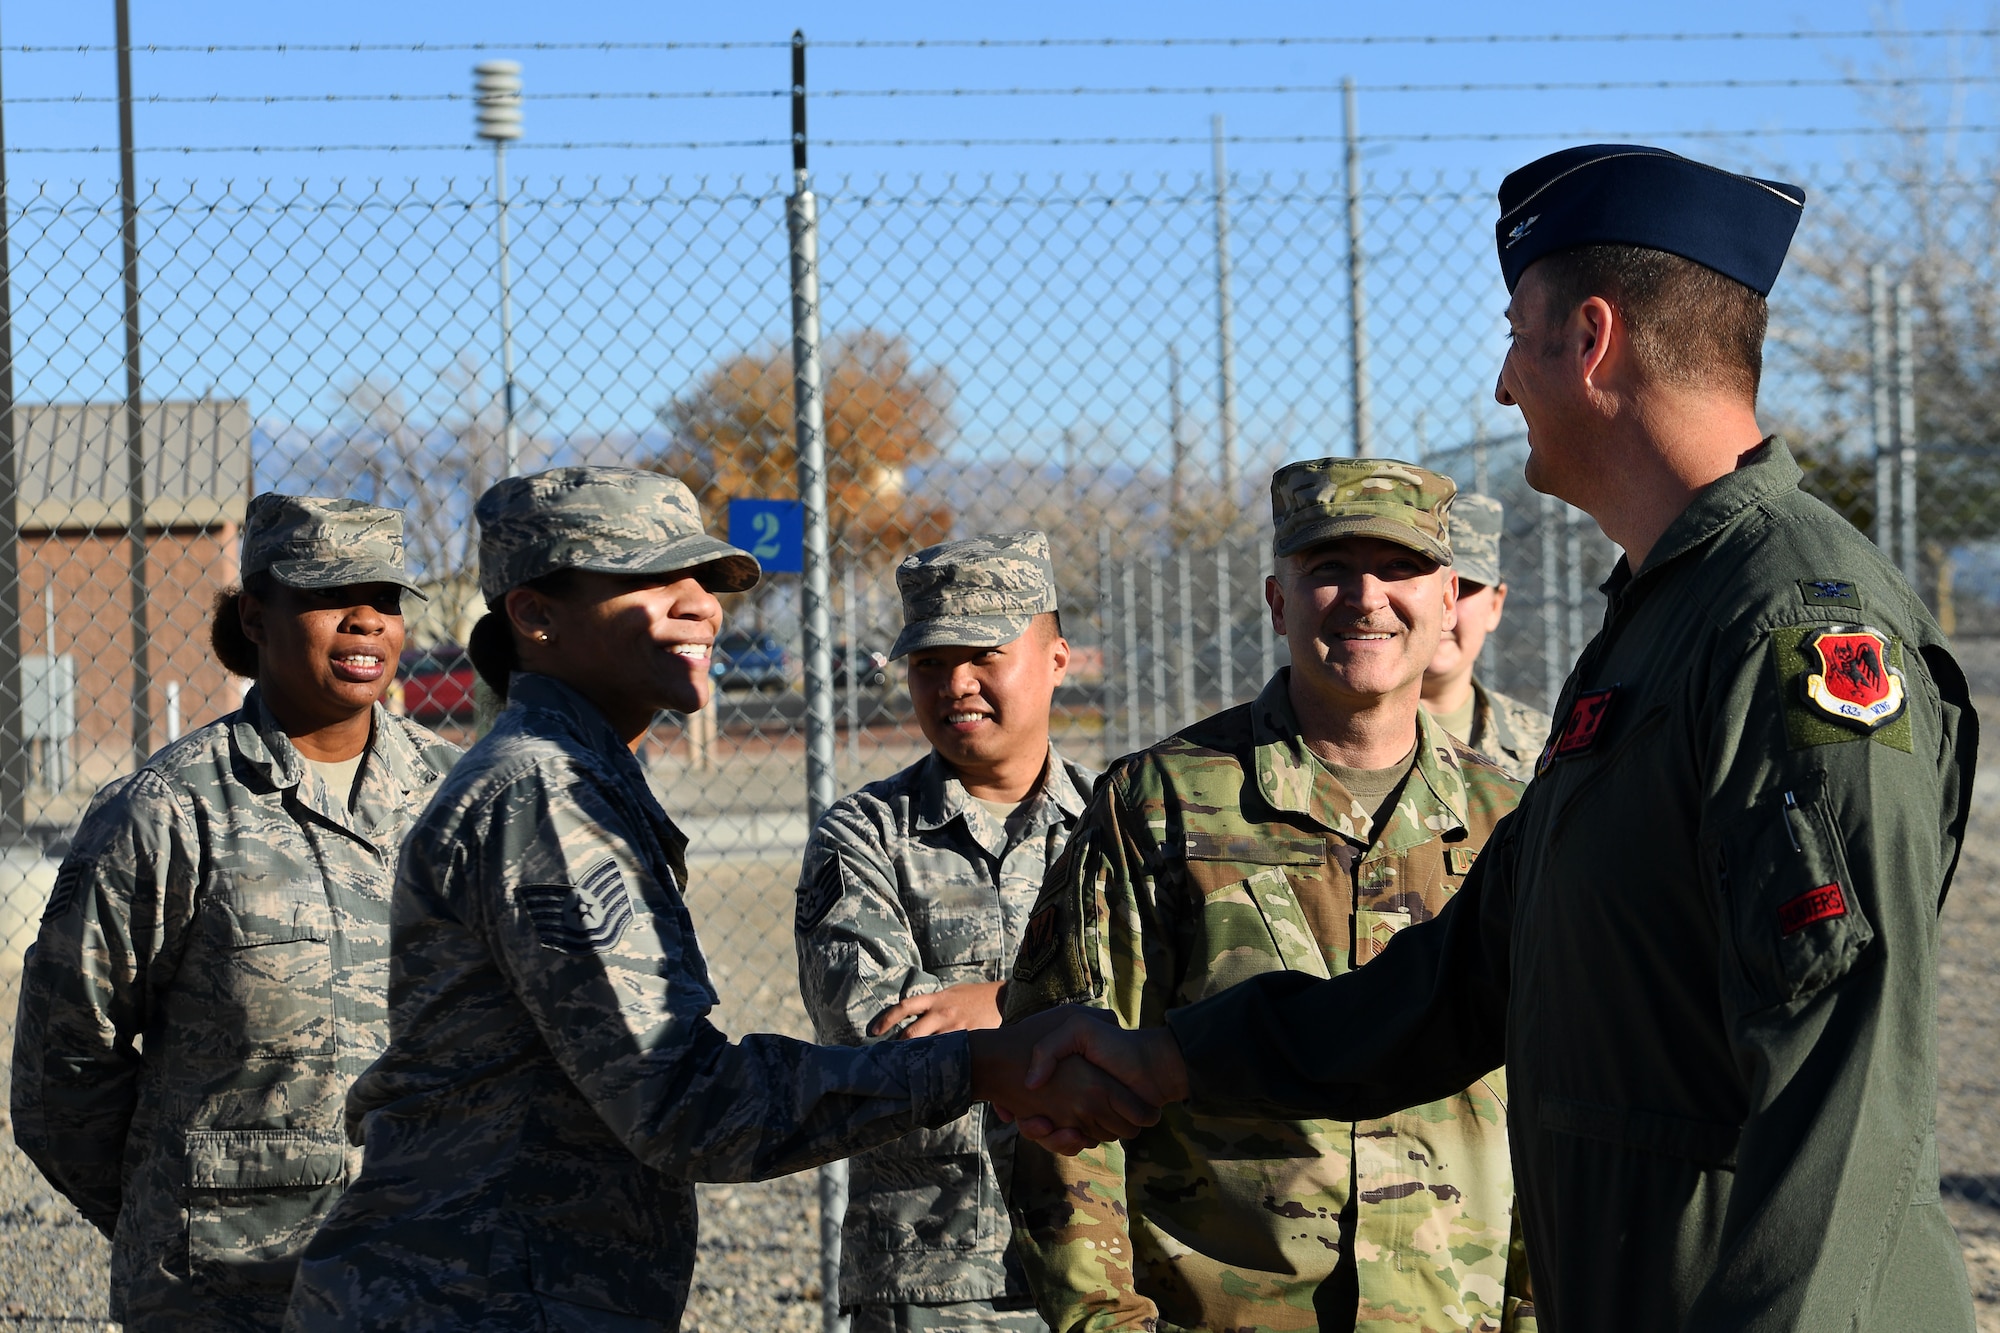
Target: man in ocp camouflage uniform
x=912 y=900
x=1299 y=833
x=1500 y=728
x=212 y=967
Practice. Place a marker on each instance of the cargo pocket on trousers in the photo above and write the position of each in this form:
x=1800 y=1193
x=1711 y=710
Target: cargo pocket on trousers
x=1792 y=918
x=254 y=1198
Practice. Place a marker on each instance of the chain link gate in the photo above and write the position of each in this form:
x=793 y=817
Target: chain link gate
x=995 y=354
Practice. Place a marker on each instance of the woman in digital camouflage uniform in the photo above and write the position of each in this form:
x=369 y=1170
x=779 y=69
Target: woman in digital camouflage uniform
x=211 y=970
x=553 y=1081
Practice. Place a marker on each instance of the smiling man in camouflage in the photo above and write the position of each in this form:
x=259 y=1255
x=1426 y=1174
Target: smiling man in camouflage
x=1296 y=833
x=914 y=895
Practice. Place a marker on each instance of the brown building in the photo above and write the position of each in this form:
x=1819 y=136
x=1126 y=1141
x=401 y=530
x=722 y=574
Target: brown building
x=78 y=628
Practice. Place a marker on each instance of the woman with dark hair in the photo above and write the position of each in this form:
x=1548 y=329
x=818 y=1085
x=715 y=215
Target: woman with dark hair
x=212 y=968
x=553 y=1082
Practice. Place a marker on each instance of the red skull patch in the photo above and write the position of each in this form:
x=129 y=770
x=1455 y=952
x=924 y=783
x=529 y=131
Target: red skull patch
x=1850 y=679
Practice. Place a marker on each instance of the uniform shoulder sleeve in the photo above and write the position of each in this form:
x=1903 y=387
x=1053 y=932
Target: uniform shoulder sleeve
x=857 y=951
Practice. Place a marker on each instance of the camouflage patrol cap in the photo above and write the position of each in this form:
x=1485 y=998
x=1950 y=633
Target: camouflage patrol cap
x=976 y=593
x=307 y=541
x=1324 y=499
x=1476 y=523
x=612 y=520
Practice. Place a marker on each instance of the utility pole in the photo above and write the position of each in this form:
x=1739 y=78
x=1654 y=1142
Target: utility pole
x=1906 y=432
x=1882 y=415
x=1357 y=283
x=809 y=432
x=135 y=422
x=13 y=757
x=497 y=85
x=1225 y=320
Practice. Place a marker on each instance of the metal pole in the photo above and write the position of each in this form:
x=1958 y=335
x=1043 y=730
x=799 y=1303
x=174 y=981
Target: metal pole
x=135 y=442
x=1177 y=440
x=1882 y=416
x=1158 y=636
x=1184 y=617
x=854 y=660
x=511 y=455
x=1357 y=283
x=801 y=216
x=13 y=757
x=1225 y=627
x=1267 y=639
x=1127 y=580
x=1225 y=327
x=1552 y=630
x=1106 y=628
x=1573 y=578
x=1906 y=430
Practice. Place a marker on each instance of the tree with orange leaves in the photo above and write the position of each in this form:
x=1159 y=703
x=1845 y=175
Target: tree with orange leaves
x=733 y=437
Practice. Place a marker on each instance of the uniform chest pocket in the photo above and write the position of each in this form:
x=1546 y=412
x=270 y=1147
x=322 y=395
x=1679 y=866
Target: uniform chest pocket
x=964 y=943
x=268 y=988
x=1249 y=926
x=1791 y=917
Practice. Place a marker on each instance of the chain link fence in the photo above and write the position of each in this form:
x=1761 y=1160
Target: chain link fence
x=1119 y=362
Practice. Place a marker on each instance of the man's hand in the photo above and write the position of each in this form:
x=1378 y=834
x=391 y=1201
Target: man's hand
x=1146 y=1060
x=975 y=1004
x=1073 y=1106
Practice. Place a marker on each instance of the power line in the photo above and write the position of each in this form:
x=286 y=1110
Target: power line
x=1572 y=136
x=1202 y=90
x=1026 y=43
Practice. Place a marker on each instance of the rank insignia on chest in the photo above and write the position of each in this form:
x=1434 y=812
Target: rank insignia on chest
x=1580 y=727
x=1849 y=678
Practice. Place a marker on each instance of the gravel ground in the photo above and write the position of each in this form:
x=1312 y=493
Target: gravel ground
x=758 y=1264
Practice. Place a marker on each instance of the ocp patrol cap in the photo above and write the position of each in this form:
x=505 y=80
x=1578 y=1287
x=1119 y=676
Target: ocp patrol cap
x=1476 y=525
x=977 y=593
x=308 y=541
x=612 y=520
x=1325 y=499
x=1629 y=194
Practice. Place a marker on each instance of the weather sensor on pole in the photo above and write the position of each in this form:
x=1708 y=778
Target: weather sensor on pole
x=497 y=88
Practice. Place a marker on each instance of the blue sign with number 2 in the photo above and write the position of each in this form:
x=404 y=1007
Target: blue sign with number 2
x=772 y=530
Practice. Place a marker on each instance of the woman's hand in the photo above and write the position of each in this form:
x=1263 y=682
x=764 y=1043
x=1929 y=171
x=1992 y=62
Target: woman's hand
x=974 y=1004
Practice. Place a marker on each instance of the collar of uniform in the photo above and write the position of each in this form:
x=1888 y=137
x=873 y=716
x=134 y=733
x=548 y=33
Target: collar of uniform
x=1487 y=723
x=1766 y=471
x=392 y=758
x=532 y=691
x=263 y=746
x=941 y=797
x=1290 y=779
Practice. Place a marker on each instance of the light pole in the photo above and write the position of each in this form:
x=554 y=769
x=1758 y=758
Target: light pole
x=497 y=85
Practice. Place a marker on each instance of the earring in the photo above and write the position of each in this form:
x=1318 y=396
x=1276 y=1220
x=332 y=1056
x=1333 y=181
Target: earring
x=543 y=636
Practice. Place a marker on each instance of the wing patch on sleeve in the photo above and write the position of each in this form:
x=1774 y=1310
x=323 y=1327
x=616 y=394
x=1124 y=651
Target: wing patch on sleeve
x=68 y=886
x=589 y=916
x=819 y=895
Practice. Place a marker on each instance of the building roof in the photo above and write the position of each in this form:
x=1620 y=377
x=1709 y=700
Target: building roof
x=73 y=469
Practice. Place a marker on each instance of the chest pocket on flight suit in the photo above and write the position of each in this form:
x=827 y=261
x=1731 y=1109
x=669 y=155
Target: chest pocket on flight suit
x=1248 y=925
x=268 y=988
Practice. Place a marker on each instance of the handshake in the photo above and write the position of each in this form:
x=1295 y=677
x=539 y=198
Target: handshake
x=1072 y=1078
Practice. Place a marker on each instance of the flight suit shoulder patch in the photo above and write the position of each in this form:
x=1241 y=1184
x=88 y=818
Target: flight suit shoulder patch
x=1839 y=683
x=1830 y=592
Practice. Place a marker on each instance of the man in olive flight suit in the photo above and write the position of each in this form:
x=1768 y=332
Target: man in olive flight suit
x=1290 y=836
x=1707 y=942
x=912 y=899
x=1501 y=728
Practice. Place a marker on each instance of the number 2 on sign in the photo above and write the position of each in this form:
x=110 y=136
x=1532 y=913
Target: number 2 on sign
x=765 y=546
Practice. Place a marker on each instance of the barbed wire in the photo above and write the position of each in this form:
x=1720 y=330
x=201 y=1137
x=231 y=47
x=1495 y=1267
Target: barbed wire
x=1015 y=43
x=1084 y=141
x=1202 y=90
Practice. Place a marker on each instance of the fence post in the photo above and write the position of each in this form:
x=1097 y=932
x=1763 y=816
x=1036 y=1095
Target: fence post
x=809 y=424
x=1267 y=638
x=1127 y=584
x=1881 y=416
x=853 y=665
x=1225 y=626
x=135 y=425
x=1225 y=330
x=1357 y=283
x=1184 y=617
x=1906 y=432
x=13 y=756
x=1573 y=635
x=1158 y=641
x=1552 y=653
x=1107 y=622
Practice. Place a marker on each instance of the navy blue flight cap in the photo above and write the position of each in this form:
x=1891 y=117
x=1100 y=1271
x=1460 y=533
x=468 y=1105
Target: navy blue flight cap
x=1628 y=194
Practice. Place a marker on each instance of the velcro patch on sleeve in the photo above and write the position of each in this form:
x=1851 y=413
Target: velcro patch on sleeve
x=1821 y=904
x=1840 y=684
x=589 y=916
x=1458 y=860
x=1830 y=592
x=68 y=886
x=819 y=895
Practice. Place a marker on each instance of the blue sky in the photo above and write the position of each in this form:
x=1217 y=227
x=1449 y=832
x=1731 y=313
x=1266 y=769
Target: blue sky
x=1562 y=115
